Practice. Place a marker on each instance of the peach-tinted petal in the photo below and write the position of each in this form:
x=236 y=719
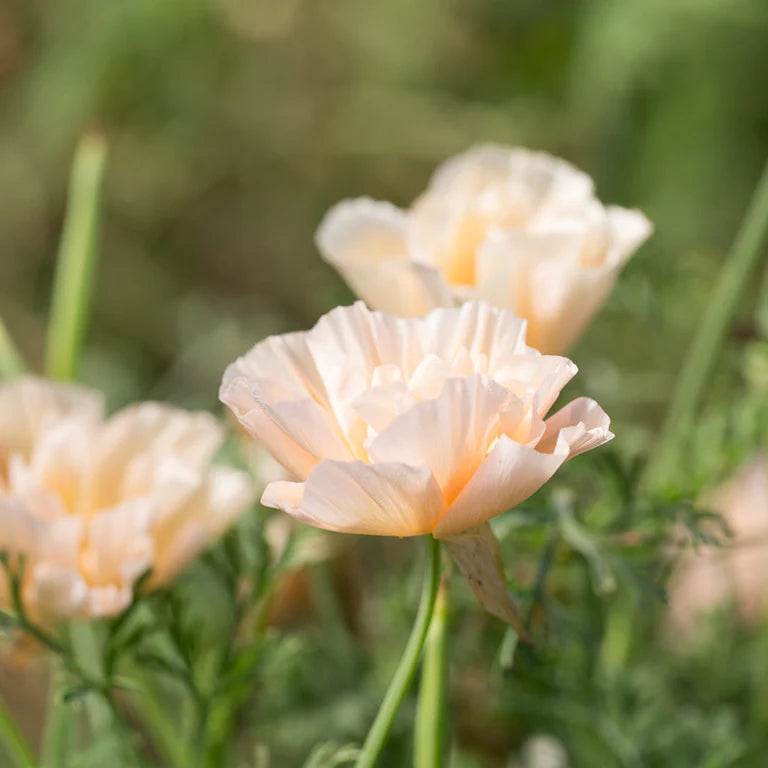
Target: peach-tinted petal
x=509 y=475
x=583 y=424
x=480 y=329
x=366 y=241
x=182 y=531
x=541 y=276
x=629 y=229
x=362 y=231
x=29 y=405
x=289 y=429
x=450 y=434
x=385 y=499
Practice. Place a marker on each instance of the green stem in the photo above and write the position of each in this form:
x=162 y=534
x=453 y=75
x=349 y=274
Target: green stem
x=161 y=722
x=15 y=745
x=58 y=721
x=750 y=244
x=406 y=669
x=431 y=710
x=76 y=262
x=11 y=362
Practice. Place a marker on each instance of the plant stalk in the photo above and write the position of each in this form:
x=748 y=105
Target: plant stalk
x=750 y=244
x=431 y=711
x=406 y=669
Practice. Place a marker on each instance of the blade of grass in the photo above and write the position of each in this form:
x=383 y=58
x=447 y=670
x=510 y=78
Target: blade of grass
x=11 y=362
x=15 y=745
x=77 y=258
x=750 y=244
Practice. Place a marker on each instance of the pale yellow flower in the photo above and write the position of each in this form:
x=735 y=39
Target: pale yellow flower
x=516 y=228
x=735 y=569
x=90 y=504
x=401 y=427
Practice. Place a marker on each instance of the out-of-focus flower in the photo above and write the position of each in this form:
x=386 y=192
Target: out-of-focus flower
x=737 y=567
x=541 y=751
x=401 y=427
x=516 y=228
x=87 y=505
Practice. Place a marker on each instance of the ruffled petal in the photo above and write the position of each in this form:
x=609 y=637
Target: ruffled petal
x=582 y=425
x=366 y=241
x=539 y=276
x=450 y=434
x=485 y=332
x=298 y=433
x=509 y=475
x=387 y=499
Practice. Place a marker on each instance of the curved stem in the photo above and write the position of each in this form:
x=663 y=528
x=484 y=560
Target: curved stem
x=13 y=741
x=430 y=713
x=750 y=244
x=406 y=669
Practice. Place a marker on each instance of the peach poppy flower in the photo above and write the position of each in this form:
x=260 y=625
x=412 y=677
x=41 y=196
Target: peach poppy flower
x=737 y=568
x=516 y=228
x=401 y=427
x=91 y=504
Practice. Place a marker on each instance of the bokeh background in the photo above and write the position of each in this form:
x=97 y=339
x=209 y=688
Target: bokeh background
x=234 y=124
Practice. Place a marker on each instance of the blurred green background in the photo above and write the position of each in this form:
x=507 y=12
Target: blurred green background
x=234 y=124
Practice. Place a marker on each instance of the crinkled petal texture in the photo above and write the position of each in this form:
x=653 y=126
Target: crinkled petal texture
x=518 y=229
x=401 y=427
x=88 y=505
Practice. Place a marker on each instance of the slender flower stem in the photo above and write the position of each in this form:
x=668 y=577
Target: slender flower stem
x=58 y=722
x=406 y=669
x=13 y=741
x=430 y=714
x=76 y=262
x=750 y=244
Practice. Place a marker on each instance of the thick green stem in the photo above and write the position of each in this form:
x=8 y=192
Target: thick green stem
x=430 y=714
x=406 y=669
x=735 y=275
x=13 y=742
x=76 y=263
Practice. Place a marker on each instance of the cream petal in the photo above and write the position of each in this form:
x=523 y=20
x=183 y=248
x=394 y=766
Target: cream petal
x=362 y=231
x=119 y=546
x=297 y=433
x=525 y=180
x=182 y=531
x=366 y=241
x=629 y=229
x=348 y=345
x=477 y=553
x=139 y=438
x=386 y=499
x=30 y=404
x=539 y=277
x=450 y=434
x=582 y=424
x=510 y=473
x=479 y=328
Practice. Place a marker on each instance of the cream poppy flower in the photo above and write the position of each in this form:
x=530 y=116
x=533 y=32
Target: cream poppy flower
x=91 y=504
x=402 y=427
x=516 y=228
x=737 y=568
